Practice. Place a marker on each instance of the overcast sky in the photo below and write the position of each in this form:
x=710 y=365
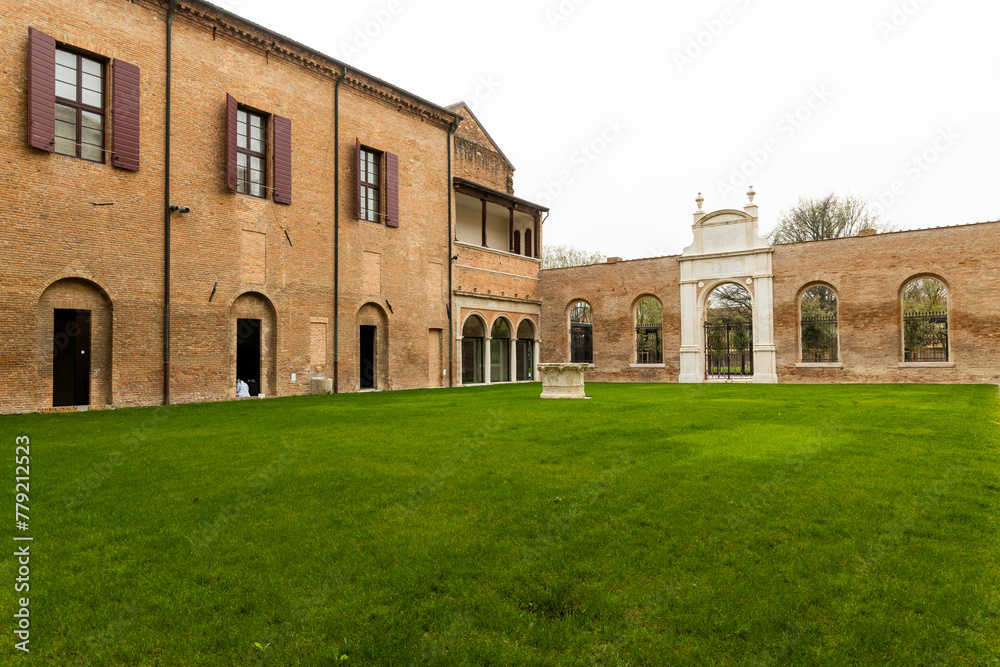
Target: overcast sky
x=616 y=114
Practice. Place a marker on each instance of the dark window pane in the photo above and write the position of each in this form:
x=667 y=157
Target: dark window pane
x=65 y=146
x=91 y=67
x=92 y=137
x=65 y=91
x=91 y=120
x=91 y=82
x=66 y=58
x=91 y=153
x=90 y=98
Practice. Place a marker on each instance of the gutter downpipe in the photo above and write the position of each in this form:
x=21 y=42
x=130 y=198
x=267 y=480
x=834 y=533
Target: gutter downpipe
x=336 y=231
x=166 y=218
x=451 y=268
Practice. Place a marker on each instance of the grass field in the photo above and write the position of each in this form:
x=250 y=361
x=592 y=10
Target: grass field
x=651 y=525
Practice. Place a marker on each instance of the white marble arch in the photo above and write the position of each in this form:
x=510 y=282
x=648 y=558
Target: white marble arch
x=727 y=248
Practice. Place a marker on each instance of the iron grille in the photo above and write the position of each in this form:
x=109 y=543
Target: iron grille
x=581 y=343
x=648 y=345
x=819 y=338
x=925 y=336
x=728 y=349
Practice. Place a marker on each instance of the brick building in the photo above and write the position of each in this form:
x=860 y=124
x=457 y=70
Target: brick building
x=300 y=218
x=912 y=306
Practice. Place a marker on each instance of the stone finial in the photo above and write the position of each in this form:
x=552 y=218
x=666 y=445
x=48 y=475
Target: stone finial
x=751 y=194
x=699 y=200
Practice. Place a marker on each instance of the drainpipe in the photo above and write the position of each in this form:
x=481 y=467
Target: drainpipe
x=336 y=231
x=166 y=219
x=451 y=269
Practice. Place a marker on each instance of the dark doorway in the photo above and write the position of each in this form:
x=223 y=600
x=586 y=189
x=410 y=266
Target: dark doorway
x=368 y=356
x=71 y=357
x=248 y=354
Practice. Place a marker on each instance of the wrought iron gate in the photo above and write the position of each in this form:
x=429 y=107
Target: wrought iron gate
x=728 y=349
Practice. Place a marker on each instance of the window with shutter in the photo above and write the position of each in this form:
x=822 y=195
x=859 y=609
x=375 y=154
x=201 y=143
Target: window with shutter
x=79 y=106
x=517 y=242
x=251 y=153
x=369 y=184
x=231 y=118
x=282 y=160
x=41 y=90
x=391 y=190
x=125 y=115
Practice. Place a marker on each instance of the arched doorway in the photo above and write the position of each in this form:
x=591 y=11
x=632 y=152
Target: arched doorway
x=727 y=248
x=473 y=341
x=500 y=351
x=75 y=344
x=729 y=333
x=525 y=351
x=253 y=331
x=373 y=347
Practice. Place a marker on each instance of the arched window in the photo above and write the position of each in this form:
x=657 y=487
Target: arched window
x=500 y=351
x=581 y=333
x=527 y=244
x=925 y=321
x=473 y=335
x=649 y=331
x=517 y=242
x=819 y=325
x=525 y=351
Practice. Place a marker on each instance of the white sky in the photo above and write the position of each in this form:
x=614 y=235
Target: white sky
x=888 y=80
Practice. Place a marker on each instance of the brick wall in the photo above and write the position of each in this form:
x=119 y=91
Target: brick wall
x=612 y=290
x=476 y=158
x=868 y=274
x=61 y=217
x=232 y=255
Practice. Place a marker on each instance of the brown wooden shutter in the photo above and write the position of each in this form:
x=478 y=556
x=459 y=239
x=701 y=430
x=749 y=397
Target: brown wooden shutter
x=41 y=90
x=231 y=119
x=517 y=242
x=391 y=190
x=357 y=178
x=527 y=243
x=125 y=115
x=282 y=160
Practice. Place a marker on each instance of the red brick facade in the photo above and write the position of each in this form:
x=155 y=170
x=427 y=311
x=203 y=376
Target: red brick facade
x=867 y=274
x=89 y=236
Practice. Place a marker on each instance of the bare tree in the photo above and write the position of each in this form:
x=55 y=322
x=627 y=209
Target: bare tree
x=829 y=217
x=561 y=256
x=730 y=301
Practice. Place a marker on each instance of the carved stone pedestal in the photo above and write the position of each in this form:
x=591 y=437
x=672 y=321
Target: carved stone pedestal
x=562 y=380
x=319 y=385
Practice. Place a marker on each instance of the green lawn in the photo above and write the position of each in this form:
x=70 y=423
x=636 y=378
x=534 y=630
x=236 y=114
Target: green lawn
x=651 y=525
